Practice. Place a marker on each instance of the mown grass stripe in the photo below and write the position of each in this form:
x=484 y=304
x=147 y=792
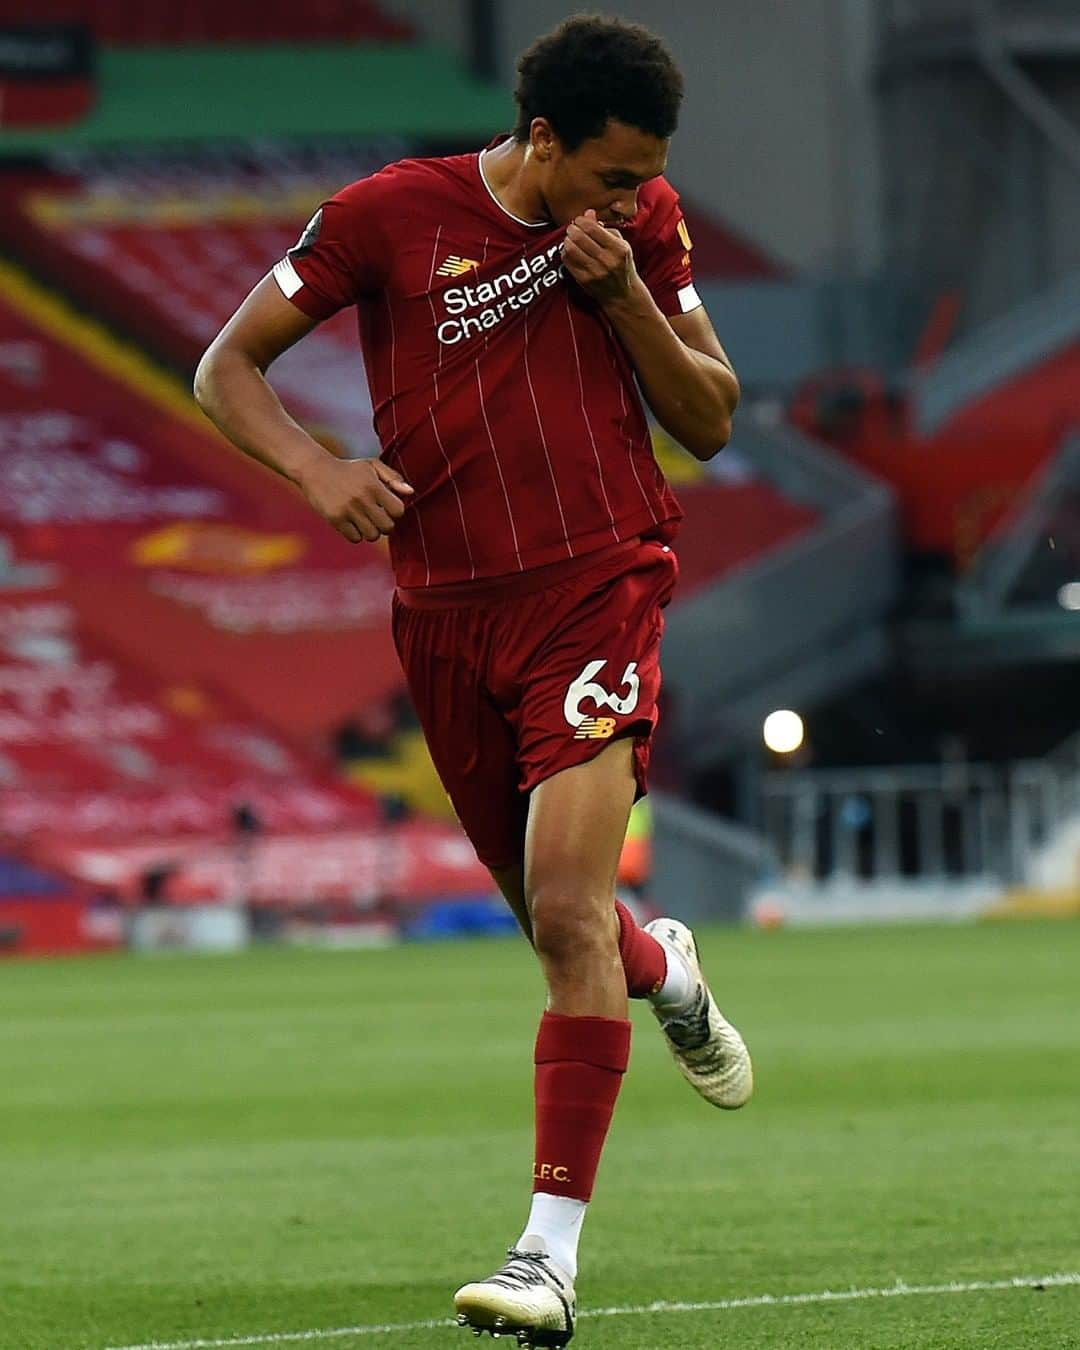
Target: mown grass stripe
x=898 y=1290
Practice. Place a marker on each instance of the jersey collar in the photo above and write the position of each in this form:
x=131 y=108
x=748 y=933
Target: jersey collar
x=527 y=224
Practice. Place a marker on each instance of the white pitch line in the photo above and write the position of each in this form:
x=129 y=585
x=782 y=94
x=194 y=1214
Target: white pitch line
x=897 y=1290
x=292 y=1337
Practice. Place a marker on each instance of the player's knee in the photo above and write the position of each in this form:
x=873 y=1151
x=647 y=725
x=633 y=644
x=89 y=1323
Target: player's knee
x=571 y=929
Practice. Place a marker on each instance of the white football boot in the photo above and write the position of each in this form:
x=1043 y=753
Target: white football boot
x=530 y=1298
x=710 y=1053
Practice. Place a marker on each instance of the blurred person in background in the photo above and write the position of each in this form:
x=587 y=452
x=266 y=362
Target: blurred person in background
x=514 y=304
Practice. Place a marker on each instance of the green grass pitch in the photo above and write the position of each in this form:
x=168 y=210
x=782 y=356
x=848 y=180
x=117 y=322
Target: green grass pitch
x=199 y=1149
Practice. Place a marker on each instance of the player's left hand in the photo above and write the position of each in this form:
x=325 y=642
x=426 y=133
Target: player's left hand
x=599 y=259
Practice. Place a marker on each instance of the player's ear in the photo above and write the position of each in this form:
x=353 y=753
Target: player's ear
x=542 y=139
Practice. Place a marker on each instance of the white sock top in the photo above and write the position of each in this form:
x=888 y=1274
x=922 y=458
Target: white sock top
x=557 y=1219
x=678 y=983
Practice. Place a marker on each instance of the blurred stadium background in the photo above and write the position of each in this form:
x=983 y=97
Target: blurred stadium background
x=202 y=714
x=205 y=742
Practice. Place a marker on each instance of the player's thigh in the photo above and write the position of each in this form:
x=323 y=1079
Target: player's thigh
x=472 y=745
x=576 y=828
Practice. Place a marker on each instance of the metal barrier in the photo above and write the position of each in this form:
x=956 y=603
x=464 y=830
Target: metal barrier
x=946 y=823
x=910 y=843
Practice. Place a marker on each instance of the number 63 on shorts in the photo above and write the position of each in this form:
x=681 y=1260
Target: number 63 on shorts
x=512 y=690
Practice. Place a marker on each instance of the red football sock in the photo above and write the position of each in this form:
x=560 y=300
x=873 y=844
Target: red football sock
x=642 y=956
x=580 y=1062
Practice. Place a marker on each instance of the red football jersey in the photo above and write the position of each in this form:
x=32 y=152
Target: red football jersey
x=501 y=391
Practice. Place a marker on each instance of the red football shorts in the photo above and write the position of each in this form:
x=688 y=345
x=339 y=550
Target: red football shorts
x=516 y=679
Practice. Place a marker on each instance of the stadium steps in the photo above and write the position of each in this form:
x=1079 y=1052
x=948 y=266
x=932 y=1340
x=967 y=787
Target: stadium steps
x=1021 y=346
x=796 y=620
x=1023 y=582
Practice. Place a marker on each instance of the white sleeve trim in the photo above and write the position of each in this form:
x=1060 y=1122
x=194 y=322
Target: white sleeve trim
x=286 y=276
x=688 y=298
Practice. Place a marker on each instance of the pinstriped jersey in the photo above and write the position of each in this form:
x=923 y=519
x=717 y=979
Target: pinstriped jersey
x=500 y=389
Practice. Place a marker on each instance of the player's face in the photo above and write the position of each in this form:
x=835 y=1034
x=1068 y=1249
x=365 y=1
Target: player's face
x=603 y=174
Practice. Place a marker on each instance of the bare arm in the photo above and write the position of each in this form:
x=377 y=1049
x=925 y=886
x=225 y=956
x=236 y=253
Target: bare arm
x=684 y=372
x=358 y=497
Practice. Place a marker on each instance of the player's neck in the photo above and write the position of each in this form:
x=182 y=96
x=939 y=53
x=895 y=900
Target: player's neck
x=508 y=173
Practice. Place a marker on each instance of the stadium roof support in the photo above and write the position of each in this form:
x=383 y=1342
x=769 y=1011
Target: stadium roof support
x=983 y=87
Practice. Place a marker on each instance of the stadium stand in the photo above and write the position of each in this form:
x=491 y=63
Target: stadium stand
x=133 y=581
x=1022 y=586
x=983 y=455
x=240 y=595
x=167 y=252
x=970 y=431
x=173 y=532
x=217 y=94
x=166 y=249
x=17 y=878
x=42 y=911
x=144 y=22
x=115 y=234
x=63 y=925
x=755 y=517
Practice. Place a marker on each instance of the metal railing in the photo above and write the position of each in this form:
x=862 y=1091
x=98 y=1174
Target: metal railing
x=953 y=822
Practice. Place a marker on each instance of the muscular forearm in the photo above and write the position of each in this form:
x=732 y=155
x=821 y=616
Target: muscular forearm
x=235 y=395
x=692 y=394
x=361 y=499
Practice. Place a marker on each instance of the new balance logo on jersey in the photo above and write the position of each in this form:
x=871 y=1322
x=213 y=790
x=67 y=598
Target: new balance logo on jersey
x=456 y=267
x=595 y=729
x=585 y=687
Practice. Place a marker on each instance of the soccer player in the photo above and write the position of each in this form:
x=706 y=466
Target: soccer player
x=513 y=306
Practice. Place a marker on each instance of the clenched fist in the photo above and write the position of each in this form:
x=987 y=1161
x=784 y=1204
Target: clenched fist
x=361 y=498
x=599 y=259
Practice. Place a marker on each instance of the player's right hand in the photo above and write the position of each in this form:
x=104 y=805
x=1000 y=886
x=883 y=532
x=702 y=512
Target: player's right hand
x=361 y=498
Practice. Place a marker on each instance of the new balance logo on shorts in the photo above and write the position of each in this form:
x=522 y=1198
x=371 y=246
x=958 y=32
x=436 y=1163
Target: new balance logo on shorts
x=595 y=729
x=588 y=728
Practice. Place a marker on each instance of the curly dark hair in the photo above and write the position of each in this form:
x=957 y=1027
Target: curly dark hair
x=591 y=68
